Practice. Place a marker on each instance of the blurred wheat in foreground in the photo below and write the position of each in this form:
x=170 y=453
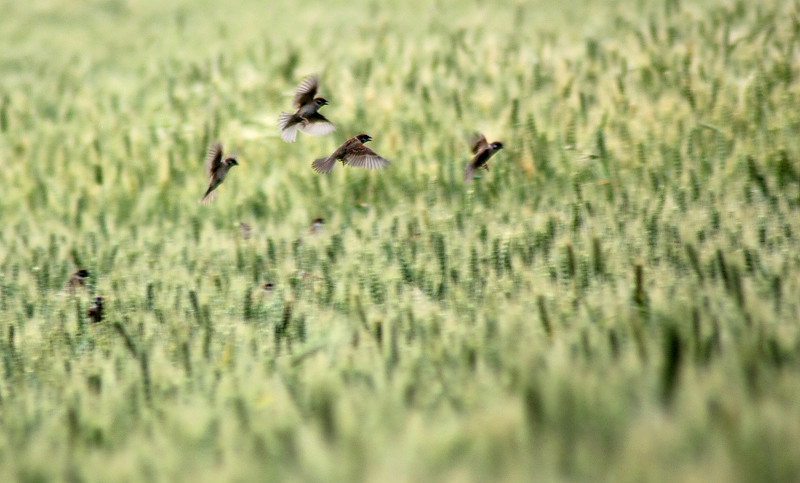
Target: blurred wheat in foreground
x=616 y=299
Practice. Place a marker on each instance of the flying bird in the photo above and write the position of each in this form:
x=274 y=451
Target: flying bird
x=354 y=153
x=95 y=312
x=77 y=280
x=483 y=151
x=216 y=169
x=306 y=118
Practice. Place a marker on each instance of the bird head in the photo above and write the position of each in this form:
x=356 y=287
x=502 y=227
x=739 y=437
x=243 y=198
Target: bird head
x=98 y=300
x=497 y=145
x=231 y=161
x=82 y=273
x=320 y=101
x=364 y=138
x=318 y=220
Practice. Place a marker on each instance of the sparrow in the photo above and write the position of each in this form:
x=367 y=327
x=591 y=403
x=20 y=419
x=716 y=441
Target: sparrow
x=354 y=153
x=216 y=169
x=316 y=225
x=95 y=312
x=77 y=280
x=306 y=118
x=483 y=151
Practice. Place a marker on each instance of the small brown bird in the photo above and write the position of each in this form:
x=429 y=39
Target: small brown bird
x=306 y=118
x=95 y=312
x=216 y=169
x=77 y=280
x=483 y=151
x=354 y=153
x=316 y=225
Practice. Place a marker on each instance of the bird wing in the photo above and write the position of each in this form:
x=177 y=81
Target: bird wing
x=306 y=91
x=213 y=159
x=479 y=142
x=363 y=157
x=317 y=125
x=480 y=160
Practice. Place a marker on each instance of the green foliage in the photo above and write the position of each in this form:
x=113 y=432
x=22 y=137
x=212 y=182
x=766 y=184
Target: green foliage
x=615 y=299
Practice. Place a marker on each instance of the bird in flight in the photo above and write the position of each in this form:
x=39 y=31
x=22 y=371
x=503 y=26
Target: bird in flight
x=216 y=169
x=306 y=117
x=482 y=151
x=352 y=152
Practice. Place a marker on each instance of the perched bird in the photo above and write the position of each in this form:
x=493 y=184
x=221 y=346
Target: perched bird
x=306 y=118
x=95 y=312
x=77 y=280
x=216 y=169
x=483 y=151
x=354 y=153
x=316 y=225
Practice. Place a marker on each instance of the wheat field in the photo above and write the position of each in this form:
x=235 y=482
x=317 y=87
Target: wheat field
x=616 y=299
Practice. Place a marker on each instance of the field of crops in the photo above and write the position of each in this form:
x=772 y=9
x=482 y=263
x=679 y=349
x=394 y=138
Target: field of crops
x=616 y=299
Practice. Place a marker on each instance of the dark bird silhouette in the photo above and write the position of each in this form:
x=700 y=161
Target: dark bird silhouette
x=306 y=117
x=483 y=151
x=216 y=169
x=352 y=152
x=95 y=312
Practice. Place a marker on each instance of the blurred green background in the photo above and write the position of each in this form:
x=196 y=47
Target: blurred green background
x=615 y=300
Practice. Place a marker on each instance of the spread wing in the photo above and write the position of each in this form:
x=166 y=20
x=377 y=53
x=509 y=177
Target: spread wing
x=306 y=91
x=363 y=157
x=317 y=125
x=479 y=142
x=213 y=159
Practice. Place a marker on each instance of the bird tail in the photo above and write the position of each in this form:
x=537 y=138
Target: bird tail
x=469 y=173
x=323 y=165
x=288 y=124
x=210 y=195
